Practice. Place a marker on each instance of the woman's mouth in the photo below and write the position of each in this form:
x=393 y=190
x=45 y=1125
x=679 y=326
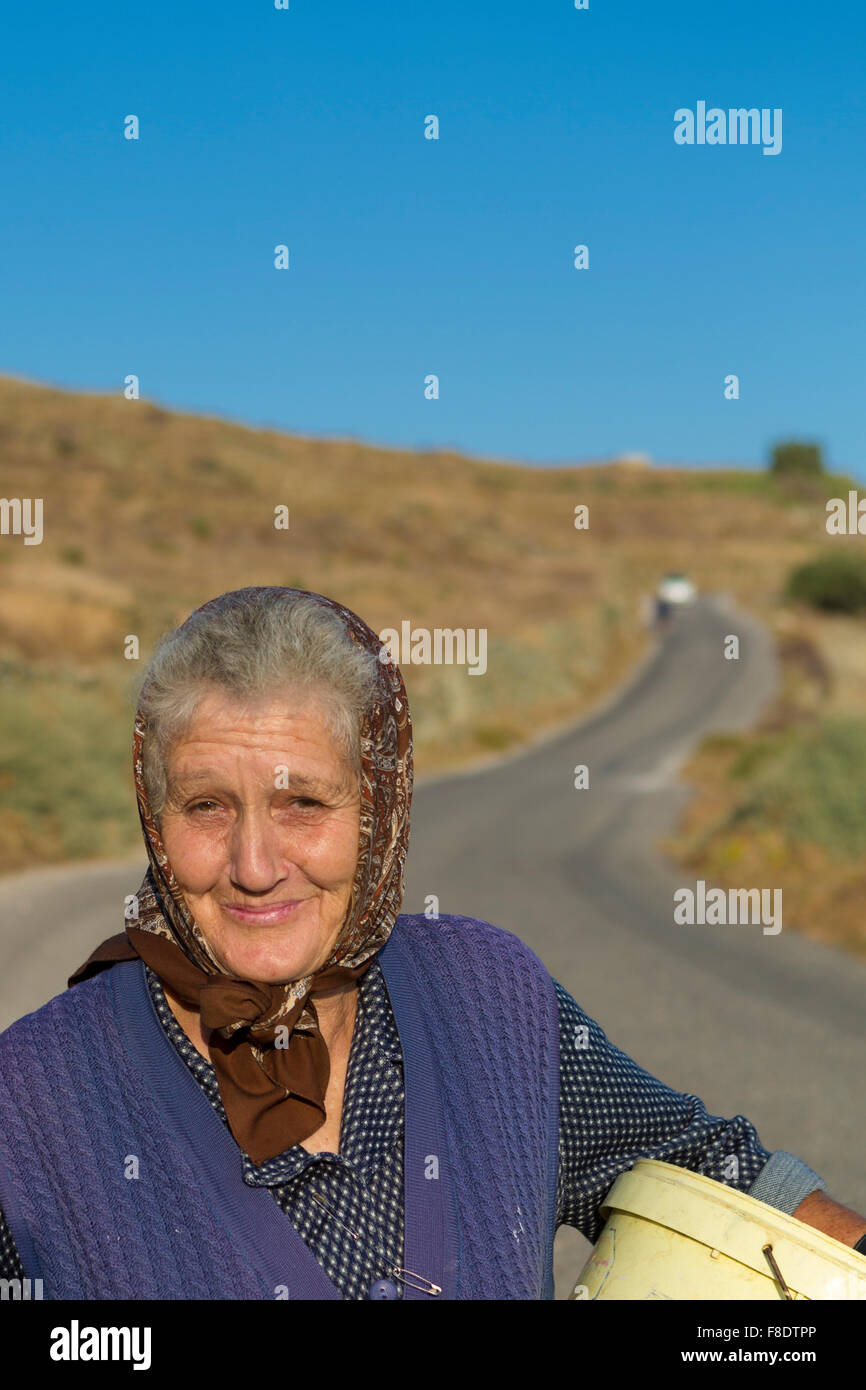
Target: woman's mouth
x=264 y=914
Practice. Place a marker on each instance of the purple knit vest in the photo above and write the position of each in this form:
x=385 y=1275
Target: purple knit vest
x=90 y=1082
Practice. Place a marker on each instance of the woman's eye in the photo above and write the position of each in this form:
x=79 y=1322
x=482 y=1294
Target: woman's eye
x=304 y=803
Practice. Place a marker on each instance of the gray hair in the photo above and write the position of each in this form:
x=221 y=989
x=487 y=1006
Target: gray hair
x=253 y=643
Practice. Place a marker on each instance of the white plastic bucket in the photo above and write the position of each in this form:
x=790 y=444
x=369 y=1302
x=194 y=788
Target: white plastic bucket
x=671 y=1233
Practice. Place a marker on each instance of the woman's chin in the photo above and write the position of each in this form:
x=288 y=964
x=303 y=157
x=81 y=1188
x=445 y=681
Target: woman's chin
x=268 y=963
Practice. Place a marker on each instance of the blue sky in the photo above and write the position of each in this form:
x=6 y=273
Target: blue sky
x=454 y=257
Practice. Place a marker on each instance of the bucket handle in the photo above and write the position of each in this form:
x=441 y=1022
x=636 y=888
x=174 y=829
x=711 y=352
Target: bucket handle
x=771 y=1260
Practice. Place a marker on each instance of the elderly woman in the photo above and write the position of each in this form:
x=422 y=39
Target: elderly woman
x=273 y=1086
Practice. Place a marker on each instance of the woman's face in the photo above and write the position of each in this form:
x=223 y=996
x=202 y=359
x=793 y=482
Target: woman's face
x=261 y=826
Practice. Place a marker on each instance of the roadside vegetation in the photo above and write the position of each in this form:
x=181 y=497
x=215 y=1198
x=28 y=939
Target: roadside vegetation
x=784 y=806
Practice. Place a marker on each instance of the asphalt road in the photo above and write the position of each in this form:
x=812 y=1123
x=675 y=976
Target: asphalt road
x=768 y=1026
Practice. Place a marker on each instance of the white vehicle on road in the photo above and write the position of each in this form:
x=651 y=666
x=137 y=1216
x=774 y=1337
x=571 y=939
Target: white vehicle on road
x=676 y=589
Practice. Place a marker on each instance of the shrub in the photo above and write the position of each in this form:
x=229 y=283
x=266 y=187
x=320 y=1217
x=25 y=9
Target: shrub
x=793 y=456
x=836 y=582
x=65 y=441
x=811 y=785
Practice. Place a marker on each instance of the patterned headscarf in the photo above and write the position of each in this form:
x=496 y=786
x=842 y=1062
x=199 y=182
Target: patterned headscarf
x=273 y=1095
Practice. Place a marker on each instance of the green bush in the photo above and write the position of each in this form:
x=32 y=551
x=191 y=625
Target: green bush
x=792 y=456
x=833 y=581
x=812 y=786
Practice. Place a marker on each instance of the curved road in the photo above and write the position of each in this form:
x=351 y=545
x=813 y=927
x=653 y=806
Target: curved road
x=769 y=1026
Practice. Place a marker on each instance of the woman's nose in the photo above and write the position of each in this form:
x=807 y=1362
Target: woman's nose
x=260 y=852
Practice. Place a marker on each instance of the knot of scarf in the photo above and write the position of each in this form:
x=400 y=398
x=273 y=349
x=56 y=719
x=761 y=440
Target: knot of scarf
x=228 y=1005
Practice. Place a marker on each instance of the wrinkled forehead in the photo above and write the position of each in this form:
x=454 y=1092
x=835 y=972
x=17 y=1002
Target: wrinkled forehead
x=294 y=724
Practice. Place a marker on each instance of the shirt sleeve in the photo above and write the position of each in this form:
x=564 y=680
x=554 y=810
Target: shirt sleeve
x=613 y=1112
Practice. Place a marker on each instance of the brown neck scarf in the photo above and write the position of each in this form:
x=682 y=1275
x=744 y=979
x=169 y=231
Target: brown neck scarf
x=270 y=1059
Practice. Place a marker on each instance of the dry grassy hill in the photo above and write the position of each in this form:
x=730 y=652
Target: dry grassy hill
x=148 y=512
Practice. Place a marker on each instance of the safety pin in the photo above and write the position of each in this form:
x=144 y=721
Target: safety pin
x=397 y=1271
x=425 y=1285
